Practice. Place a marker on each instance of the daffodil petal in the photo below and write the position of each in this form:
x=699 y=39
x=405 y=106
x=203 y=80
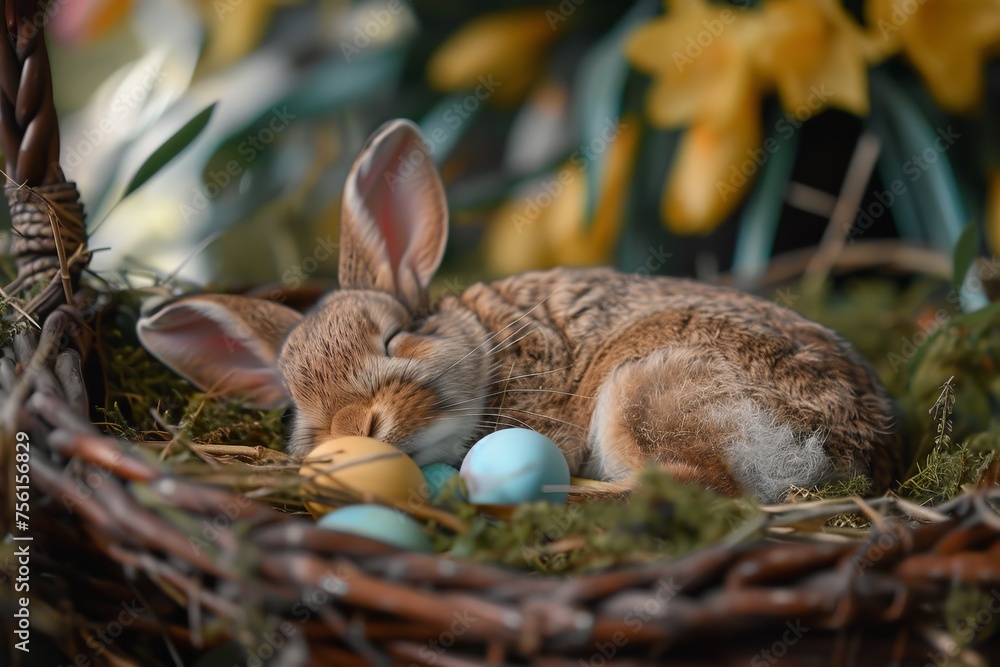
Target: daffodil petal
x=946 y=40
x=709 y=176
x=993 y=213
x=507 y=46
x=815 y=55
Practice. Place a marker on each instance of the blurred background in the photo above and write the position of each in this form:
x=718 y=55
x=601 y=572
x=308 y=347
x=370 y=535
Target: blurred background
x=568 y=132
x=837 y=155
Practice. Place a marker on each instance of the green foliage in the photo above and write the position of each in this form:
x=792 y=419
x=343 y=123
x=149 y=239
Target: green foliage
x=879 y=318
x=170 y=149
x=966 y=251
x=944 y=472
x=966 y=348
x=964 y=617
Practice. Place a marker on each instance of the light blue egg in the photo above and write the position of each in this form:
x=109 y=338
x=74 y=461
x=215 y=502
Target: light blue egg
x=381 y=523
x=513 y=466
x=437 y=475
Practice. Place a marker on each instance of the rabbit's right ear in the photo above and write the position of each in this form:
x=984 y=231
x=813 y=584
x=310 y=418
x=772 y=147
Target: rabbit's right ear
x=224 y=344
x=394 y=225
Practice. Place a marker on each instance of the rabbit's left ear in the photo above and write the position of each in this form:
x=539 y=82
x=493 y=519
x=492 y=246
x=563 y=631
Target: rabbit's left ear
x=394 y=225
x=223 y=343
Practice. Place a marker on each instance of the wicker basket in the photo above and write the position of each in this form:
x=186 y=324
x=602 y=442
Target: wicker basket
x=131 y=563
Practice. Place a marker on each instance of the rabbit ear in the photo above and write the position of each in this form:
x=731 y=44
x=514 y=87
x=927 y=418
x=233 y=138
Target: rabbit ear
x=394 y=225
x=223 y=344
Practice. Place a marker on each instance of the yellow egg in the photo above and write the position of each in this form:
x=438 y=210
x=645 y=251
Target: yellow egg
x=374 y=469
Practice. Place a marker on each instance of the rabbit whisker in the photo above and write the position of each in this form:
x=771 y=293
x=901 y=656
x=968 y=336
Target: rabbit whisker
x=529 y=412
x=507 y=344
x=495 y=415
x=531 y=375
x=494 y=419
x=512 y=391
x=494 y=335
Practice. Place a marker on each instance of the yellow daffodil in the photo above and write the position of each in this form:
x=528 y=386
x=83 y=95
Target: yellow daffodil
x=699 y=56
x=712 y=63
x=993 y=212
x=506 y=49
x=947 y=41
x=711 y=172
x=544 y=227
x=235 y=27
x=816 y=56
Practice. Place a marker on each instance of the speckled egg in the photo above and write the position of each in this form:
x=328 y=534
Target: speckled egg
x=366 y=466
x=381 y=523
x=515 y=465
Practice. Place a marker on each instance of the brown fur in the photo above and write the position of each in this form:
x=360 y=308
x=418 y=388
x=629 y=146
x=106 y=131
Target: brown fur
x=716 y=386
x=662 y=351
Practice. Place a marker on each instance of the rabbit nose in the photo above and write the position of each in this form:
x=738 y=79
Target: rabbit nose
x=362 y=420
x=354 y=419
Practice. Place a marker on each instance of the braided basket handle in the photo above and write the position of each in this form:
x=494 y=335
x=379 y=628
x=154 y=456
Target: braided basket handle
x=46 y=213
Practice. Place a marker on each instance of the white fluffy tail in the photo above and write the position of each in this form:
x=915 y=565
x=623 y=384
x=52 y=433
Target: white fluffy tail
x=770 y=456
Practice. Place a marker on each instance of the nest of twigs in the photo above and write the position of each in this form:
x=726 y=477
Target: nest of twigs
x=137 y=535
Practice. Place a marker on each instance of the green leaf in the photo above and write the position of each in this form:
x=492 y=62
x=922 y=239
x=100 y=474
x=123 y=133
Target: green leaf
x=965 y=253
x=173 y=146
x=439 y=129
x=759 y=221
x=906 y=212
x=333 y=84
x=599 y=85
x=933 y=183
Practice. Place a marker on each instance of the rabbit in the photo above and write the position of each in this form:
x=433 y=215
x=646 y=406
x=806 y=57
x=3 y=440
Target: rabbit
x=718 y=387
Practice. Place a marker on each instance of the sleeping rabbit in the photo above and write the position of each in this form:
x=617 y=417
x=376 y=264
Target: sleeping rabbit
x=716 y=386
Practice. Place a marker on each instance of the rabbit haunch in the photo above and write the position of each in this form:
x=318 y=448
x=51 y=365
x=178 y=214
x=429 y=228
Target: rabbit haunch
x=716 y=386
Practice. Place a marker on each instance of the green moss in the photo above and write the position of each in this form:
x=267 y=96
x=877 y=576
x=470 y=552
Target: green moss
x=206 y=419
x=943 y=474
x=154 y=398
x=663 y=518
x=950 y=465
x=968 y=615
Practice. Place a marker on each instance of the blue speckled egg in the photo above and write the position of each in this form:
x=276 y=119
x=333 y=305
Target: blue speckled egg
x=381 y=523
x=513 y=466
x=437 y=475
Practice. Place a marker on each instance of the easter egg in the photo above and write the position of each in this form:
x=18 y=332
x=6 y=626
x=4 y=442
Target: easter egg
x=365 y=466
x=378 y=522
x=436 y=476
x=515 y=465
